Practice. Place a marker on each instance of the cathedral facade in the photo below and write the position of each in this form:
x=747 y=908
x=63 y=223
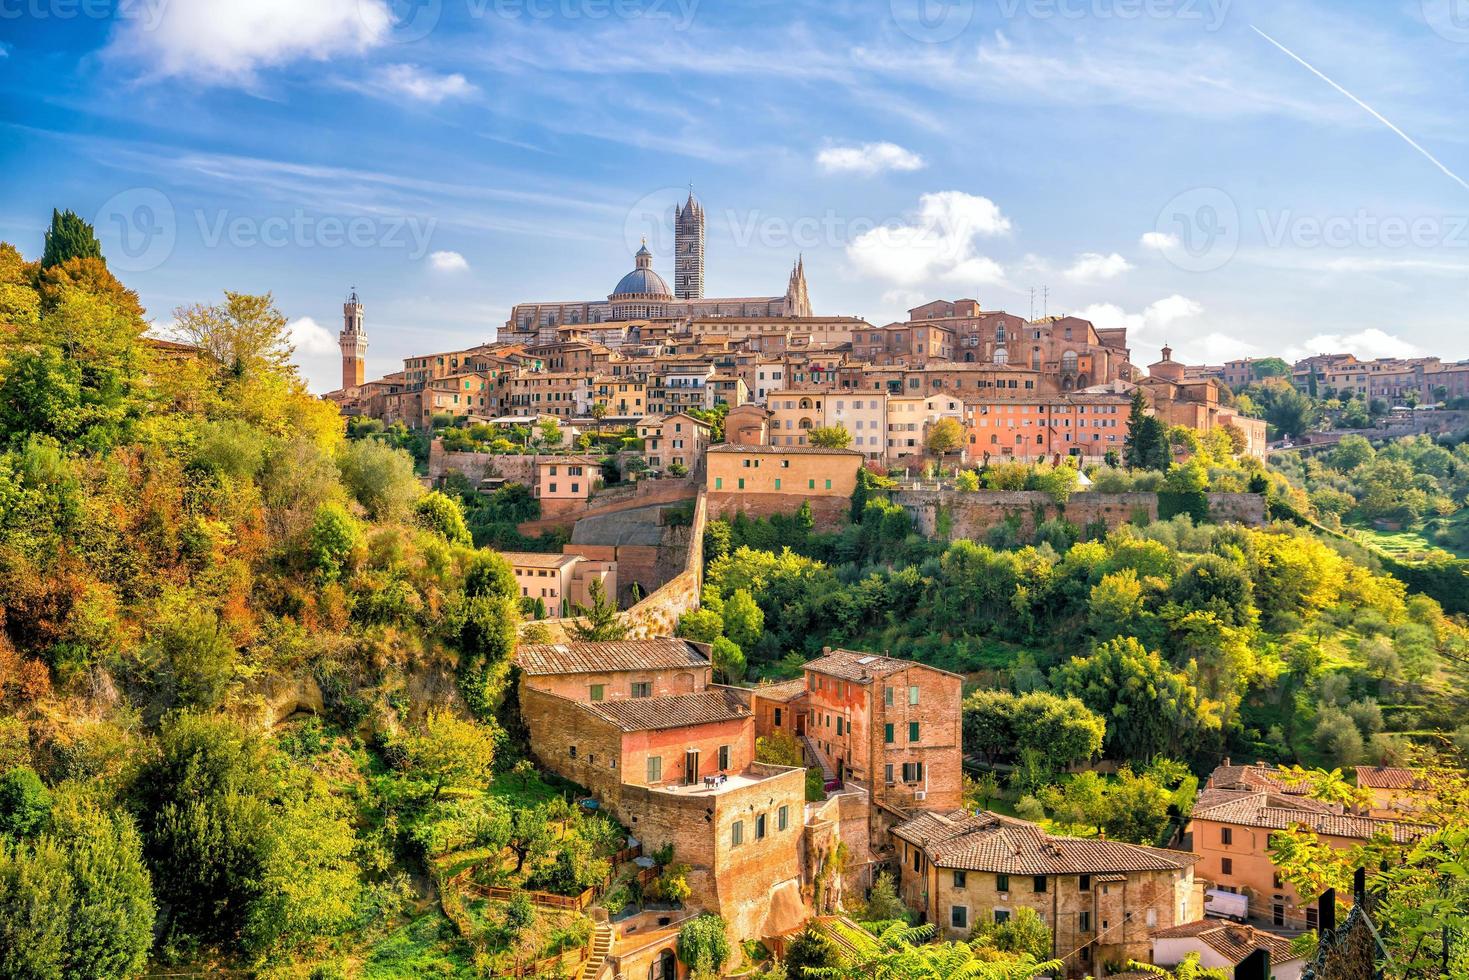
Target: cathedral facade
x=643 y=294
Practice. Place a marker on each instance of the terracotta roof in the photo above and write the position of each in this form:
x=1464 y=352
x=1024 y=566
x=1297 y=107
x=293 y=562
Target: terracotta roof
x=859 y=667
x=1231 y=940
x=785 y=450
x=781 y=690
x=1002 y=845
x=1387 y=777
x=1271 y=811
x=609 y=657
x=672 y=711
x=1254 y=777
x=537 y=559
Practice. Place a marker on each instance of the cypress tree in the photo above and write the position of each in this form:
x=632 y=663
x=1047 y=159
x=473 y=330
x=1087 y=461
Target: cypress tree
x=69 y=238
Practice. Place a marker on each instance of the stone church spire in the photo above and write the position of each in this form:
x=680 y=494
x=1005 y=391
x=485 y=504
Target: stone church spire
x=798 y=302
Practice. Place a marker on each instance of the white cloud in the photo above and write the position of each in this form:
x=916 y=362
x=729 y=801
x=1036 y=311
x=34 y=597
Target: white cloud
x=938 y=243
x=1159 y=241
x=416 y=83
x=227 y=41
x=868 y=159
x=1096 y=267
x=448 y=262
x=1367 y=344
x=317 y=357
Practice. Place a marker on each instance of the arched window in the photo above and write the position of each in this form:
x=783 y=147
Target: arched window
x=1068 y=361
x=1000 y=334
x=969 y=357
x=1002 y=356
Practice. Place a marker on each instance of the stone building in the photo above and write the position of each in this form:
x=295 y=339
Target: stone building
x=1101 y=899
x=891 y=726
x=1397 y=794
x=560 y=581
x=609 y=671
x=679 y=438
x=353 y=342
x=764 y=480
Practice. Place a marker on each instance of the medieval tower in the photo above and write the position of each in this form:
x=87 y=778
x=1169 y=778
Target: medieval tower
x=688 y=249
x=353 y=341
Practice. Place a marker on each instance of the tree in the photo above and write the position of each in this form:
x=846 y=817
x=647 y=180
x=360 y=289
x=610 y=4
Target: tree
x=451 y=751
x=700 y=625
x=728 y=660
x=530 y=837
x=744 y=623
x=703 y=940
x=442 y=514
x=69 y=237
x=550 y=431
x=883 y=902
x=966 y=481
x=333 y=537
x=380 y=477
x=246 y=336
x=1024 y=933
x=809 y=951
x=829 y=437
x=1146 y=445
x=779 y=749
x=34 y=889
x=902 y=952
x=1187 y=969
x=25 y=804
x=1151 y=708
x=945 y=436
x=600 y=621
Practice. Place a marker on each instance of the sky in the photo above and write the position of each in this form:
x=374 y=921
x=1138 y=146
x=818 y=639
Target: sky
x=1231 y=177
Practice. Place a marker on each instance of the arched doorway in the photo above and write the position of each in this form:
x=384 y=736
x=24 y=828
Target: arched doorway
x=665 y=967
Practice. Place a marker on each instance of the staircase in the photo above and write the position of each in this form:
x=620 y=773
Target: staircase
x=828 y=774
x=601 y=948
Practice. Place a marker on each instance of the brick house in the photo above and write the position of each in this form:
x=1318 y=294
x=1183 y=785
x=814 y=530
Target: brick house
x=667 y=439
x=645 y=757
x=1236 y=814
x=566 y=483
x=610 y=671
x=780 y=707
x=763 y=480
x=891 y=726
x=1396 y=793
x=1101 y=899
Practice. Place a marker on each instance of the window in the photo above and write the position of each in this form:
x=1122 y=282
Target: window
x=1002 y=916
x=1084 y=921
x=1084 y=882
x=642 y=689
x=1039 y=884
x=777 y=483
x=724 y=757
x=913 y=694
x=887 y=773
x=839 y=724
x=810 y=484
x=1277 y=914
x=1002 y=883
x=599 y=691
x=887 y=733
x=571 y=751
x=912 y=731
x=1151 y=918
x=782 y=818
x=742 y=483
x=719 y=483
x=760 y=827
x=960 y=879
x=1312 y=918
x=1226 y=836
x=1226 y=866
x=655 y=769
x=777 y=717
x=887 y=696
x=959 y=916
x=912 y=772
x=737 y=833
x=828 y=484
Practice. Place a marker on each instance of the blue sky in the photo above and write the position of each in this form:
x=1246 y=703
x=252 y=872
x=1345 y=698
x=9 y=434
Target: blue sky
x=1230 y=176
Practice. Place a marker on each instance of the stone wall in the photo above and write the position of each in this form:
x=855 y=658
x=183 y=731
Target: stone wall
x=972 y=514
x=477 y=466
x=843 y=817
x=829 y=512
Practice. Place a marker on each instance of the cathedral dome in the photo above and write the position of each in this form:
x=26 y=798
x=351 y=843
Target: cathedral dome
x=643 y=281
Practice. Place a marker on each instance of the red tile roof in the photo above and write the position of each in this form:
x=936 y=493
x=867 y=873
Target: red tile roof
x=1231 y=940
x=1387 y=777
x=781 y=690
x=673 y=711
x=1271 y=811
x=860 y=668
x=610 y=657
x=1003 y=845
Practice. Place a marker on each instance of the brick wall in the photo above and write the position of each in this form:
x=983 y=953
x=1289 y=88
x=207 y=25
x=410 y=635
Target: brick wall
x=477 y=466
x=829 y=512
x=972 y=514
x=618 y=685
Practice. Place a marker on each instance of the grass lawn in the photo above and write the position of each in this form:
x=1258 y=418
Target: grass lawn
x=425 y=947
x=1410 y=543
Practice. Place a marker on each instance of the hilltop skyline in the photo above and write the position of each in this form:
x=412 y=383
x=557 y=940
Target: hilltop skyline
x=451 y=159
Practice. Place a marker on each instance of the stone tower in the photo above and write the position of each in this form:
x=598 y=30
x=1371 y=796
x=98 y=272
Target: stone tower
x=688 y=249
x=353 y=341
x=798 y=302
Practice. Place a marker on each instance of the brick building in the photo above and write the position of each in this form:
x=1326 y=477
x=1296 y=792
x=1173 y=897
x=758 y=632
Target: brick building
x=560 y=581
x=1397 y=794
x=891 y=726
x=1233 y=819
x=1101 y=899
x=669 y=439
x=609 y=671
x=565 y=483
x=764 y=480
